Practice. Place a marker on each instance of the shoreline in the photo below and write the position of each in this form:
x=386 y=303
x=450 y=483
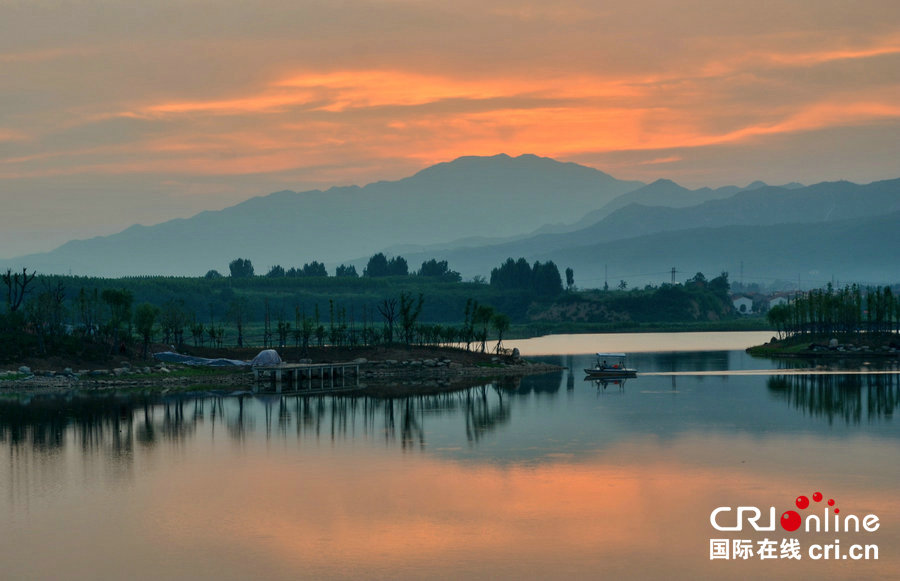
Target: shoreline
x=442 y=369
x=883 y=348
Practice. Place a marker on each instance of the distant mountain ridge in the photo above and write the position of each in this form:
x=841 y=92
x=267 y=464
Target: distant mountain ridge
x=852 y=250
x=819 y=205
x=468 y=197
x=475 y=212
x=763 y=206
x=665 y=192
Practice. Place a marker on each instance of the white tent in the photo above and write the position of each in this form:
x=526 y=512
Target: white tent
x=266 y=358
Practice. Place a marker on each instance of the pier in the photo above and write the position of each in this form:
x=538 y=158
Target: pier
x=307 y=377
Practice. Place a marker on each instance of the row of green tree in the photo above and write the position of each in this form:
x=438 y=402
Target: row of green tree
x=105 y=321
x=378 y=265
x=77 y=314
x=698 y=299
x=846 y=311
x=541 y=279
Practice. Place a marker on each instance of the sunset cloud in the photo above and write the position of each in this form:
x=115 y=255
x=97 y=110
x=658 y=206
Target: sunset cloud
x=302 y=94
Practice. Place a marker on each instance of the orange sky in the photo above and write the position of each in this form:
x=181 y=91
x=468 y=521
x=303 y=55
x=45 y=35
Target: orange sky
x=144 y=111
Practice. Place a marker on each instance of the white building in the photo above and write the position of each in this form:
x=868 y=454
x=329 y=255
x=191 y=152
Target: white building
x=743 y=305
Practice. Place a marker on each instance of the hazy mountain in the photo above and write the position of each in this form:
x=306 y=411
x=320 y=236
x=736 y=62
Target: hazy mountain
x=764 y=206
x=853 y=250
x=669 y=194
x=476 y=211
x=662 y=192
x=469 y=197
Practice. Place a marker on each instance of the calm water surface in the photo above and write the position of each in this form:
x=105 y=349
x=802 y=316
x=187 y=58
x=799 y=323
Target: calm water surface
x=548 y=477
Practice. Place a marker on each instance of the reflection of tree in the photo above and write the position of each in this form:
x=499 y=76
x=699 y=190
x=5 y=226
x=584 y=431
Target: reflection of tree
x=114 y=424
x=545 y=383
x=103 y=423
x=410 y=427
x=146 y=432
x=848 y=397
x=238 y=424
x=175 y=426
x=683 y=361
x=481 y=415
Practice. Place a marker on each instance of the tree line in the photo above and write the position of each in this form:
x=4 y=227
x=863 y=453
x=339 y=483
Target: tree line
x=378 y=265
x=104 y=322
x=838 y=312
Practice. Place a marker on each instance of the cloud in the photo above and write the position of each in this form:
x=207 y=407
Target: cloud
x=12 y=135
x=317 y=92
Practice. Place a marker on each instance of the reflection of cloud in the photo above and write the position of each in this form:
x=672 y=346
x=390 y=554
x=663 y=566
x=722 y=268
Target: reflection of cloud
x=384 y=514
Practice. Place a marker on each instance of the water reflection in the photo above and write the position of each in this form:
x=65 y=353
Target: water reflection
x=614 y=385
x=100 y=423
x=850 y=398
x=528 y=407
x=115 y=423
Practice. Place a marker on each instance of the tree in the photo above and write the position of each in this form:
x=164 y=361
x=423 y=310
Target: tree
x=512 y=274
x=720 y=285
x=377 y=266
x=306 y=328
x=546 y=281
x=173 y=319
x=16 y=287
x=45 y=314
x=433 y=268
x=346 y=271
x=409 y=313
x=89 y=311
x=388 y=310
x=501 y=323
x=283 y=328
x=467 y=333
x=397 y=266
x=212 y=274
x=481 y=318
x=240 y=268
x=119 y=303
x=237 y=312
x=276 y=271
x=698 y=280
x=144 y=320
x=314 y=268
x=267 y=325
x=570 y=279
x=197 y=331
x=319 y=330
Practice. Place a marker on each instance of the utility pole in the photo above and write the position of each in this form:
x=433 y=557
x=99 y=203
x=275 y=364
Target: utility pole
x=673 y=274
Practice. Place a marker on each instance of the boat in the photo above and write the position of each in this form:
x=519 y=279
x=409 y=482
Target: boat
x=610 y=365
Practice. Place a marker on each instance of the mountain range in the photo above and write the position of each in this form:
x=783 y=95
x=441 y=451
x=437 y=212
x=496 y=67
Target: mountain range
x=477 y=211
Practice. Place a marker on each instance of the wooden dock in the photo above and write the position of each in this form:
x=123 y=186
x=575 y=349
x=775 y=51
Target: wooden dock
x=307 y=377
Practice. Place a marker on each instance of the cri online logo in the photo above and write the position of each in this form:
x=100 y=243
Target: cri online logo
x=831 y=520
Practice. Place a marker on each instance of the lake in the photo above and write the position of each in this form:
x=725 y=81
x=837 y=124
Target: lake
x=549 y=476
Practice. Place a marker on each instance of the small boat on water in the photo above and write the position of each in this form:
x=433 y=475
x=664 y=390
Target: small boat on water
x=610 y=365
